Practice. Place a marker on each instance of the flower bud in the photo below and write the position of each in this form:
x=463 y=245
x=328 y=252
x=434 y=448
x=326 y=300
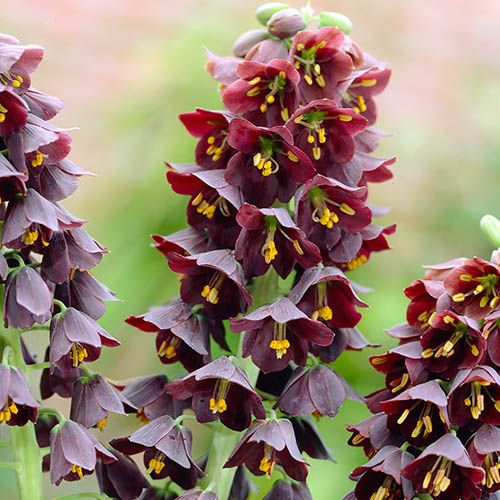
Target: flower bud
x=248 y=40
x=491 y=228
x=286 y=23
x=335 y=19
x=267 y=10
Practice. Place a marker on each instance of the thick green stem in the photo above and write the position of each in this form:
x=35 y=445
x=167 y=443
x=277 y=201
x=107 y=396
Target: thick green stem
x=264 y=290
x=24 y=447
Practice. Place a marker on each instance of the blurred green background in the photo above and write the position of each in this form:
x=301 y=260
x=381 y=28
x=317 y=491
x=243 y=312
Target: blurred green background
x=126 y=69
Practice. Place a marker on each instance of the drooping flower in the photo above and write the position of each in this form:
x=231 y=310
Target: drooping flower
x=282 y=490
x=267 y=443
x=214 y=279
x=220 y=390
x=58 y=381
x=167 y=451
x=267 y=165
x=74 y=452
x=484 y=451
x=279 y=332
x=423 y=295
x=270 y=238
x=17 y=405
x=185 y=242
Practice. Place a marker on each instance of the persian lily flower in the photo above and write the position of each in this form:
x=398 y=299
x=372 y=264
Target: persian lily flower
x=451 y=343
x=326 y=210
x=74 y=452
x=286 y=23
x=267 y=443
x=423 y=295
x=266 y=94
x=149 y=399
x=76 y=337
x=13 y=114
x=17 y=62
x=282 y=490
x=491 y=331
x=474 y=287
x=185 y=242
x=83 y=292
x=27 y=299
x=325 y=132
x=270 y=238
x=321 y=61
x=326 y=294
x=58 y=382
x=12 y=182
x=484 y=451
x=120 y=479
x=267 y=165
x=317 y=390
x=213 y=202
x=309 y=439
x=211 y=127
x=182 y=335
x=220 y=390
x=30 y=221
x=475 y=396
x=278 y=333
x=419 y=413
x=444 y=470
x=17 y=405
x=214 y=279
x=167 y=451
x=69 y=250
x=93 y=398
x=372 y=435
x=381 y=478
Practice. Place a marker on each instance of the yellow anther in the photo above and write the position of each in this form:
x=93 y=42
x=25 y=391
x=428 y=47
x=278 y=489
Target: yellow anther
x=102 y=424
x=256 y=159
x=417 y=429
x=497 y=406
x=253 y=92
x=298 y=119
x=213 y=296
x=77 y=355
x=346 y=209
x=270 y=99
x=292 y=156
x=155 y=465
x=197 y=200
x=494 y=302
x=209 y=212
x=465 y=277
x=322 y=135
x=205 y=291
x=76 y=469
x=280 y=346
x=320 y=80
x=427 y=480
x=361 y=103
x=478 y=289
x=427 y=353
x=254 y=81
x=371 y=82
x=356 y=262
x=484 y=301
x=345 y=118
x=211 y=140
x=449 y=319
x=357 y=439
x=269 y=251
x=267 y=465
x=29 y=237
x=282 y=75
x=285 y=115
x=474 y=350
x=403 y=416
x=325 y=313
x=325 y=217
x=217 y=405
x=297 y=247
x=308 y=79
x=300 y=47
x=317 y=69
x=263 y=107
x=317 y=153
x=296 y=64
x=310 y=139
x=2 y=117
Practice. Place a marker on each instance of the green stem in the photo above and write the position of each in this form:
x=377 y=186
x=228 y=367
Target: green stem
x=24 y=446
x=265 y=289
x=38 y=366
x=10 y=465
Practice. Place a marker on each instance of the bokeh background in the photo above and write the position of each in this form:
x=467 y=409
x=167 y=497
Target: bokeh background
x=126 y=69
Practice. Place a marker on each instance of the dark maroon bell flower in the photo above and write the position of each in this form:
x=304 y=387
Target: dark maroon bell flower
x=83 y=292
x=267 y=166
x=181 y=334
x=30 y=221
x=491 y=332
x=69 y=250
x=120 y=479
x=309 y=439
x=150 y=400
x=266 y=94
x=76 y=337
x=17 y=405
x=474 y=287
x=278 y=333
x=270 y=238
x=74 y=452
x=439 y=272
x=484 y=451
x=167 y=451
x=444 y=470
x=285 y=490
x=419 y=413
x=316 y=390
x=220 y=390
x=27 y=299
x=423 y=295
x=325 y=132
x=12 y=182
x=58 y=382
x=13 y=114
x=326 y=209
x=372 y=435
x=213 y=202
x=267 y=443
x=321 y=61
x=211 y=127
x=380 y=477
x=475 y=396
x=326 y=294
x=450 y=343
x=93 y=399
x=214 y=279
x=185 y=242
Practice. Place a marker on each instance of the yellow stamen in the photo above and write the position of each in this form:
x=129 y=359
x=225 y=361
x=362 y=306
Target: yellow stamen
x=345 y=118
x=102 y=424
x=77 y=470
x=368 y=82
x=345 y=208
x=292 y=156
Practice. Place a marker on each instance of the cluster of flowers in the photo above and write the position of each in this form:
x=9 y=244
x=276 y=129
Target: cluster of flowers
x=279 y=189
x=45 y=262
x=435 y=424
